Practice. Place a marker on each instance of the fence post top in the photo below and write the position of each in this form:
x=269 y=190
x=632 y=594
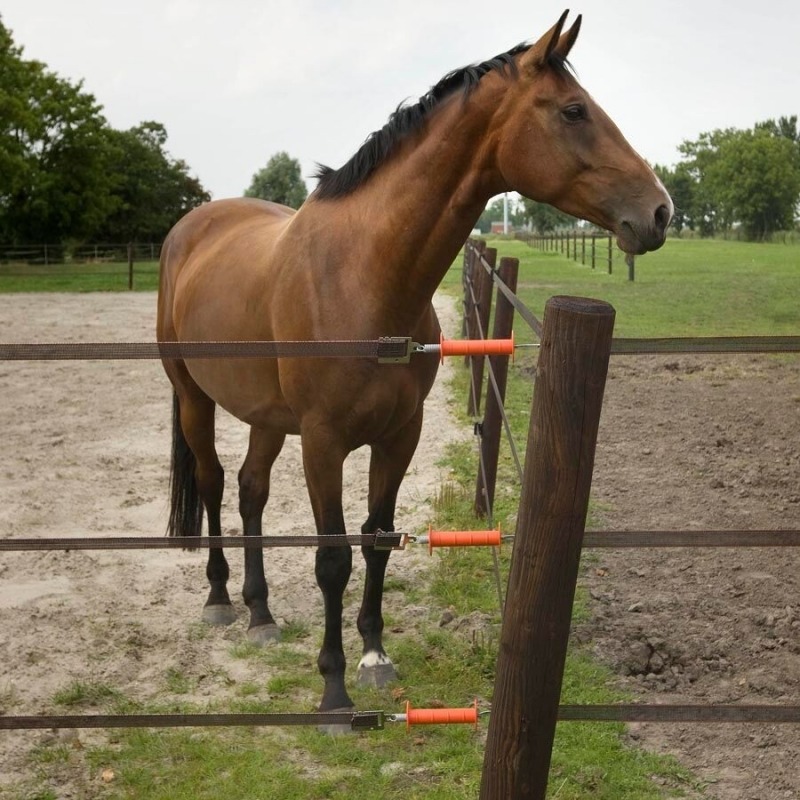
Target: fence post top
x=580 y=305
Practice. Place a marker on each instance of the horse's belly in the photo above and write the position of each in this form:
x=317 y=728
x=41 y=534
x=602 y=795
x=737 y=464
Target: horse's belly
x=247 y=389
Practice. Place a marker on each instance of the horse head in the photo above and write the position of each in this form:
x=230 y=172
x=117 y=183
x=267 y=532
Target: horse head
x=556 y=145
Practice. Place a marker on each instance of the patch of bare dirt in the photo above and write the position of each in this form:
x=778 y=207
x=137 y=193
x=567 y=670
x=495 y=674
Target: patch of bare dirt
x=708 y=442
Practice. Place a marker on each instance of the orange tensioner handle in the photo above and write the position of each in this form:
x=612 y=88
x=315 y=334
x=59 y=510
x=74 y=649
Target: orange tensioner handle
x=475 y=347
x=463 y=539
x=442 y=716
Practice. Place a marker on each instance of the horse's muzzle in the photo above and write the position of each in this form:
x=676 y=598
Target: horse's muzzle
x=636 y=237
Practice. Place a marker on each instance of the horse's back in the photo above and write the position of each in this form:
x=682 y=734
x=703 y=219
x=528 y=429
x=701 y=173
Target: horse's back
x=196 y=240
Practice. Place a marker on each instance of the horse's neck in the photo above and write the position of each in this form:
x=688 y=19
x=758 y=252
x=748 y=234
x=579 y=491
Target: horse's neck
x=413 y=215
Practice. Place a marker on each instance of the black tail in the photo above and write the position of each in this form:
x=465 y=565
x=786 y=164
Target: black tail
x=186 y=509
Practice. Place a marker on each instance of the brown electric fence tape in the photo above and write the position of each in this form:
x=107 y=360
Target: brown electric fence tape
x=175 y=720
x=732 y=538
x=373 y=720
x=379 y=540
x=77 y=351
x=676 y=713
x=707 y=344
x=395 y=540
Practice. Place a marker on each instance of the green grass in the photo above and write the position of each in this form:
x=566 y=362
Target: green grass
x=111 y=277
x=687 y=288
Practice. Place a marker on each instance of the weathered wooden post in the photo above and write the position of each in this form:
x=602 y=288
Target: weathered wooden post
x=594 y=239
x=130 y=266
x=571 y=376
x=466 y=270
x=483 y=285
x=471 y=267
x=491 y=428
x=610 y=256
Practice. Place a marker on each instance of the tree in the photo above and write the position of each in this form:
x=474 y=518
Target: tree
x=280 y=181
x=785 y=127
x=55 y=153
x=545 y=218
x=495 y=212
x=153 y=191
x=745 y=177
x=757 y=180
x=65 y=174
x=14 y=118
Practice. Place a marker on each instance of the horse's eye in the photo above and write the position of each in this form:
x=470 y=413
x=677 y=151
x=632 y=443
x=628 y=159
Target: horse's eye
x=573 y=113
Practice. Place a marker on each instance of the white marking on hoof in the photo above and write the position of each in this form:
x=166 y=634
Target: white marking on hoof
x=375 y=669
x=373 y=659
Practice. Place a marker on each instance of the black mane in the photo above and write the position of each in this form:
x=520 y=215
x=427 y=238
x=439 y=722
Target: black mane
x=406 y=119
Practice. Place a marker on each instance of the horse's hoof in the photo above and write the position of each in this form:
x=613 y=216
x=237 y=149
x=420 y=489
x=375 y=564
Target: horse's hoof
x=376 y=670
x=337 y=729
x=219 y=615
x=262 y=634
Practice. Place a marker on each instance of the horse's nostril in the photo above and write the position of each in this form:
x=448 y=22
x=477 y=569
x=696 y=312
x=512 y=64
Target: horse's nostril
x=663 y=216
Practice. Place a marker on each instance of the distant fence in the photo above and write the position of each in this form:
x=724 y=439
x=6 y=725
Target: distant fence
x=99 y=253
x=592 y=248
x=59 y=260
x=595 y=248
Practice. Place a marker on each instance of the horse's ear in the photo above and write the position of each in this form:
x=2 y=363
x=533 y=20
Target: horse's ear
x=552 y=42
x=566 y=41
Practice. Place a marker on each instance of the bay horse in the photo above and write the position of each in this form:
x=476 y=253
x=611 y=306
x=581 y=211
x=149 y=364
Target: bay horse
x=361 y=259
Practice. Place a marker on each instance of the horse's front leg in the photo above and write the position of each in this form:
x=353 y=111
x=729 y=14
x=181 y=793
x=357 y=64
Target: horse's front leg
x=323 y=457
x=388 y=465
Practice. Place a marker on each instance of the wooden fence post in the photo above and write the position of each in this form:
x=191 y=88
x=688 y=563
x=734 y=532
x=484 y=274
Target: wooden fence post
x=470 y=271
x=609 y=256
x=483 y=285
x=492 y=426
x=466 y=270
x=594 y=239
x=631 y=262
x=130 y=266
x=573 y=365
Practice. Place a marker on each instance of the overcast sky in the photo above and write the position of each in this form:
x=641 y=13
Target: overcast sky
x=235 y=81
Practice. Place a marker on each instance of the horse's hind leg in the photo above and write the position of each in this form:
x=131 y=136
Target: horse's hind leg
x=253 y=494
x=197 y=413
x=388 y=465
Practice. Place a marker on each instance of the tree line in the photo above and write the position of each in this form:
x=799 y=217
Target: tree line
x=738 y=178
x=67 y=176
